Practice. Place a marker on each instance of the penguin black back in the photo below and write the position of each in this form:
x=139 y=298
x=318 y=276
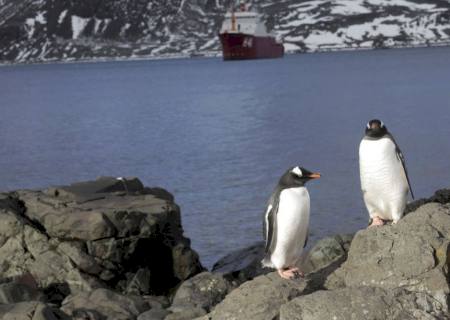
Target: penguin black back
x=294 y=177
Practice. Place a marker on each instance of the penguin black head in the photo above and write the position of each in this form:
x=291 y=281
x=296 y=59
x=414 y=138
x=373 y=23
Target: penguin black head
x=376 y=129
x=297 y=177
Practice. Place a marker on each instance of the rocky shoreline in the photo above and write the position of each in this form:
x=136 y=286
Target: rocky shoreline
x=114 y=249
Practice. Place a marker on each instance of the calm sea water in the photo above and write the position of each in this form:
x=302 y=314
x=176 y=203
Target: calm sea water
x=218 y=135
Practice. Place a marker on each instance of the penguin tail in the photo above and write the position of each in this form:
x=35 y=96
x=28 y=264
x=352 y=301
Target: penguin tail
x=266 y=263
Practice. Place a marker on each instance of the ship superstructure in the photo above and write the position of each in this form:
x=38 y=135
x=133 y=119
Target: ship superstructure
x=244 y=36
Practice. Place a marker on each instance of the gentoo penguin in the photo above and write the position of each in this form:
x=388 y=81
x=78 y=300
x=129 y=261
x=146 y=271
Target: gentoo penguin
x=384 y=178
x=286 y=222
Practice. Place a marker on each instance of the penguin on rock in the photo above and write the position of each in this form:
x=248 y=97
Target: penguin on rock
x=286 y=222
x=384 y=177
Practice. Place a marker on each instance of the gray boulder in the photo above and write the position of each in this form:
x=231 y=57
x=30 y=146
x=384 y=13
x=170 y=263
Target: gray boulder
x=441 y=196
x=96 y=234
x=260 y=298
x=326 y=252
x=366 y=303
x=390 y=272
x=104 y=304
x=413 y=254
x=186 y=314
x=153 y=314
x=13 y=292
x=157 y=302
x=31 y=310
x=243 y=264
x=204 y=291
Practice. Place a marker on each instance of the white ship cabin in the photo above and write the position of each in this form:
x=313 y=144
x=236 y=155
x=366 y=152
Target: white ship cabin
x=244 y=22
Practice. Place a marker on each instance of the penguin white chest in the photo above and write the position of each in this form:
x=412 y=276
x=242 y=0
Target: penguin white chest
x=383 y=179
x=292 y=226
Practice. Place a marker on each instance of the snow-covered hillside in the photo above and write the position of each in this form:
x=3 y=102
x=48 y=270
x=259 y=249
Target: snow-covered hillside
x=46 y=30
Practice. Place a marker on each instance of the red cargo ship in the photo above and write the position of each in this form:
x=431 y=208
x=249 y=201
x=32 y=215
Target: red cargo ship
x=244 y=36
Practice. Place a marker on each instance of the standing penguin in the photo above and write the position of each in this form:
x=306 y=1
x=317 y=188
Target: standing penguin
x=286 y=222
x=384 y=178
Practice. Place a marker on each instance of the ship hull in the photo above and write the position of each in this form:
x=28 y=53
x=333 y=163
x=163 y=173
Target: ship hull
x=240 y=46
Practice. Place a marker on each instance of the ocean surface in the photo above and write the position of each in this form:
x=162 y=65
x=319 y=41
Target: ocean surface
x=218 y=135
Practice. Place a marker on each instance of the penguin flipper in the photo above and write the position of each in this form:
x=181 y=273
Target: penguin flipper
x=402 y=160
x=306 y=239
x=270 y=224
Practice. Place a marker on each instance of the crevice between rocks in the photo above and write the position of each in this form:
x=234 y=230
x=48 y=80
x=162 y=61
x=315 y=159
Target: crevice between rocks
x=20 y=211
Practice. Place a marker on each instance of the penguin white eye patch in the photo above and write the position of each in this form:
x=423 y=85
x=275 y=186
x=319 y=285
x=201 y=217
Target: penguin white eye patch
x=298 y=171
x=381 y=125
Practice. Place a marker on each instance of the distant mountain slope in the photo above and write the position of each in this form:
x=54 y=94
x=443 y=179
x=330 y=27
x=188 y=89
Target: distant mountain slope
x=46 y=30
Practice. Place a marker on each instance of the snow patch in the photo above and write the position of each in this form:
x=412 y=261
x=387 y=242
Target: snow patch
x=78 y=25
x=290 y=47
x=180 y=8
x=325 y=38
x=403 y=3
x=62 y=15
x=348 y=7
x=209 y=44
x=97 y=23
x=29 y=27
x=124 y=29
x=40 y=17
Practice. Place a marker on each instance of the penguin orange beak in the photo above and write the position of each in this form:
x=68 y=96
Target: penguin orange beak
x=314 y=176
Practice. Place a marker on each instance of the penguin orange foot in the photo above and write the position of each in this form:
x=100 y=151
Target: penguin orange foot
x=291 y=273
x=377 y=221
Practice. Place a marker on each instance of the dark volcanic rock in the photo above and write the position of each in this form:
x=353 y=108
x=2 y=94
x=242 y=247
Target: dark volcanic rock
x=441 y=196
x=326 y=252
x=17 y=292
x=204 y=290
x=32 y=310
x=363 y=303
x=104 y=304
x=262 y=297
x=242 y=265
x=186 y=314
x=105 y=233
x=259 y=299
x=391 y=272
x=153 y=314
x=413 y=255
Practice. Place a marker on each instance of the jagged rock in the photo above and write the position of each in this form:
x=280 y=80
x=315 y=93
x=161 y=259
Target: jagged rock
x=391 y=272
x=12 y=292
x=414 y=254
x=441 y=196
x=327 y=251
x=363 y=303
x=157 y=311
x=242 y=265
x=204 y=291
x=157 y=302
x=186 y=314
x=105 y=304
x=32 y=310
x=260 y=298
x=96 y=234
x=153 y=314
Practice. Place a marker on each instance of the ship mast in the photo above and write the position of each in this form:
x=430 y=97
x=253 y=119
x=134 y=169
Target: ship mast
x=233 y=20
x=242 y=8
